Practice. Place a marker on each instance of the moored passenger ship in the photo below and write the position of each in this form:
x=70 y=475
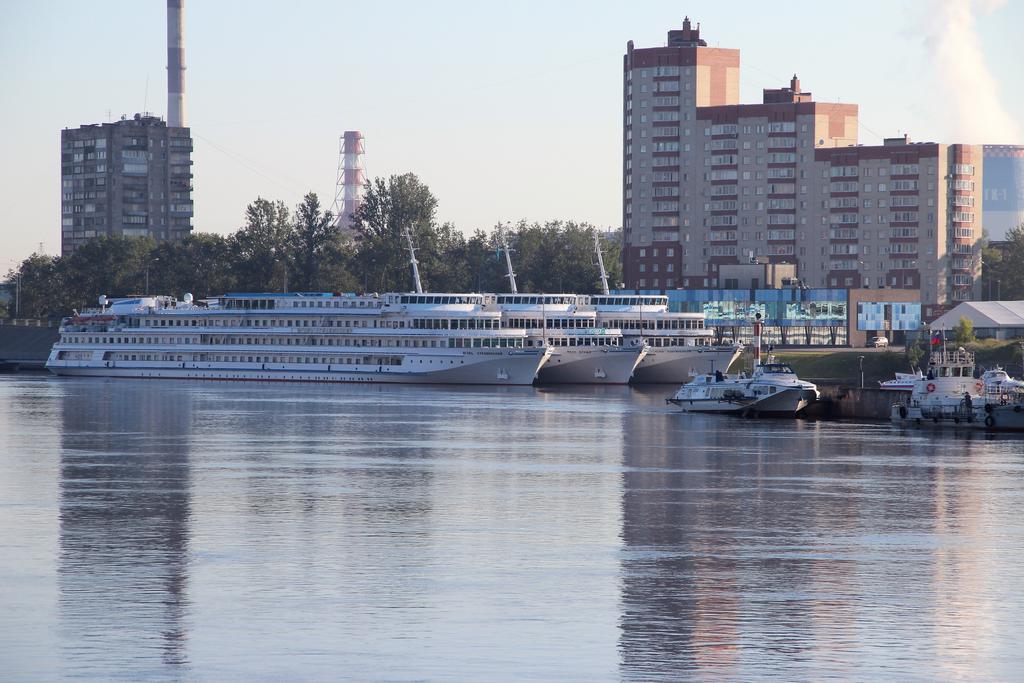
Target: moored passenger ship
x=679 y=346
x=582 y=350
x=321 y=337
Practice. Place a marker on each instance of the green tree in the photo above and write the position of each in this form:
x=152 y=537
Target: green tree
x=390 y=206
x=1002 y=275
x=39 y=279
x=963 y=333
x=914 y=350
x=484 y=263
x=200 y=264
x=335 y=270
x=313 y=237
x=111 y=265
x=559 y=257
x=262 y=249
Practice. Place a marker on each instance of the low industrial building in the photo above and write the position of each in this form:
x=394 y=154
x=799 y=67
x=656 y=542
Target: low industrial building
x=991 y=319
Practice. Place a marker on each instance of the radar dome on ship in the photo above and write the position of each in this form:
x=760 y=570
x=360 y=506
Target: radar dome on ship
x=103 y=299
x=187 y=298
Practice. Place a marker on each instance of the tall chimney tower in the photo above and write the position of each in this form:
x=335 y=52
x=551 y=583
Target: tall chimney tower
x=348 y=195
x=175 y=63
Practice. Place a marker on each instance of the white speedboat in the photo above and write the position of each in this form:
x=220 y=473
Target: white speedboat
x=772 y=390
x=904 y=381
x=998 y=381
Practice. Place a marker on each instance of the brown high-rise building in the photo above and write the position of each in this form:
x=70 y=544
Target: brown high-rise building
x=132 y=177
x=708 y=181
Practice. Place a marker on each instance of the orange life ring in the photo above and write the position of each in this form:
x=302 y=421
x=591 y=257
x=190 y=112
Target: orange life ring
x=979 y=386
x=930 y=387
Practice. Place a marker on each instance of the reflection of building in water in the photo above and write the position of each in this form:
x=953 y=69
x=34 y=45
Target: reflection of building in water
x=724 y=570
x=124 y=522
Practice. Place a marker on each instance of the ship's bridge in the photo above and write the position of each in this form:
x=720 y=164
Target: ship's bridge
x=630 y=302
x=442 y=302
x=541 y=303
x=268 y=301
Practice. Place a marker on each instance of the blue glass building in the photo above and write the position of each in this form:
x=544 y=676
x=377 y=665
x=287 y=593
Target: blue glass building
x=803 y=317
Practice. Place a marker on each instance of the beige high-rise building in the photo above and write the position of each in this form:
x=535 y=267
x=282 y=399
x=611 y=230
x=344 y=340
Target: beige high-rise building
x=708 y=181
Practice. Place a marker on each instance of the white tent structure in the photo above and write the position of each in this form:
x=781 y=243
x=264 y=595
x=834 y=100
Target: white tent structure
x=991 y=319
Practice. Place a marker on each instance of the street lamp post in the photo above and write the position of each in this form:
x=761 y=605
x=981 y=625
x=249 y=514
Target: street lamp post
x=148 y=264
x=17 y=291
x=861 y=371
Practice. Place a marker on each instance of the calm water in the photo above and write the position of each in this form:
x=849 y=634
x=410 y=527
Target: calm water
x=229 y=531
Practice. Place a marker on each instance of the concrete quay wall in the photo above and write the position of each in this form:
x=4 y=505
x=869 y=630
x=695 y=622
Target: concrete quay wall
x=842 y=401
x=26 y=344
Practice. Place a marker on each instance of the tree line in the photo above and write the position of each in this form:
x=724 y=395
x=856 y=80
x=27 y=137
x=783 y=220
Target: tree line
x=1002 y=270
x=281 y=250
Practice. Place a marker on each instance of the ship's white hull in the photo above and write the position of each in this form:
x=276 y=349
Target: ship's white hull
x=992 y=418
x=590 y=365
x=783 y=403
x=517 y=367
x=712 y=405
x=676 y=365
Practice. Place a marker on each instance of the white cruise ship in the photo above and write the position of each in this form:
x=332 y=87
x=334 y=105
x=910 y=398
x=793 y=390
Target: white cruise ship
x=679 y=346
x=415 y=338
x=582 y=350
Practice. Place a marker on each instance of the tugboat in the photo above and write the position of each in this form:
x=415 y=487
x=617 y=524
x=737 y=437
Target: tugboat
x=772 y=390
x=953 y=395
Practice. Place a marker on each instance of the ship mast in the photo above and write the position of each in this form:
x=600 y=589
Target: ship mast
x=600 y=264
x=757 y=340
x=508 y=264
x=413 y=261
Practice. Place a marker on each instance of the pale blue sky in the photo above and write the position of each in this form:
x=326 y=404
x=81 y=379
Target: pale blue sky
x=507 y=111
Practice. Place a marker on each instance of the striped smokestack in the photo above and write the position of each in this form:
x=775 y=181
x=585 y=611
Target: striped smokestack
x=176 y=63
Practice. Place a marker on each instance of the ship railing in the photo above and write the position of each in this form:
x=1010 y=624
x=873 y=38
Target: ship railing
x=957 y=357
x=28 y=322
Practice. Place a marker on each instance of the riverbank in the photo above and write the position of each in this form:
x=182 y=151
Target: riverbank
x=843 y=366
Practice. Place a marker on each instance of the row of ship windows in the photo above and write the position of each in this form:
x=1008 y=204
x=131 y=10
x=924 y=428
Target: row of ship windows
x=269 y=304
x=416 y=323
x=625 y=324
x=503 y=342
x=216 y=358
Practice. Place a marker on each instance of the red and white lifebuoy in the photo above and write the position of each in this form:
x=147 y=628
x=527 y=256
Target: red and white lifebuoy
x=979 y=386
x=930 y=387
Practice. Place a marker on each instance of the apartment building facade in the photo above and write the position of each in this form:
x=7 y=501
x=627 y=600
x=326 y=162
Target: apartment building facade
x=708 y=181
x=132 y=177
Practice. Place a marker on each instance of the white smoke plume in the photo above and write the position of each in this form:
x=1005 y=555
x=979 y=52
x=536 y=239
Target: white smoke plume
x=971 y=92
